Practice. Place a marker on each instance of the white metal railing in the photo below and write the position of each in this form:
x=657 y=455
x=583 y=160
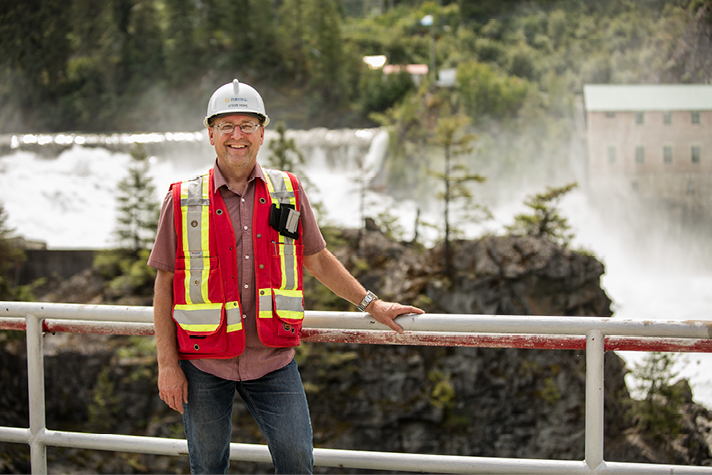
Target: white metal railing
x=594 y=334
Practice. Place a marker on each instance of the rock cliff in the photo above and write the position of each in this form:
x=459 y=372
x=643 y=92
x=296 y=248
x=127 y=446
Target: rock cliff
x=456 y=401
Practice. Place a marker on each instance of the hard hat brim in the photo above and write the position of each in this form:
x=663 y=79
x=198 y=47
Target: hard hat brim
x=264 y=120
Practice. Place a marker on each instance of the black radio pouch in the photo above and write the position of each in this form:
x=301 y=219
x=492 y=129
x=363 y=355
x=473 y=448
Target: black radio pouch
x=285 y=220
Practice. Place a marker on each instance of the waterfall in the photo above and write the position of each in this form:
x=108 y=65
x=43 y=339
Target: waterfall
x=61 y=189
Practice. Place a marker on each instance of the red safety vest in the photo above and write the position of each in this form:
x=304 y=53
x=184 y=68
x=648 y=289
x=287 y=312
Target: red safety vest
x=206 y=301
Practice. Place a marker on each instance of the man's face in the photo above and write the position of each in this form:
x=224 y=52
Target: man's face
x=236 y=150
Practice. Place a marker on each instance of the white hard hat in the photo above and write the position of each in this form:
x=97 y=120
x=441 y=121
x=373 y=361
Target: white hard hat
x=236 y=98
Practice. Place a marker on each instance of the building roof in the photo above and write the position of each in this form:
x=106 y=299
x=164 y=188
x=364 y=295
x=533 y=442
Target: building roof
x=647 y=97
x=416 y=69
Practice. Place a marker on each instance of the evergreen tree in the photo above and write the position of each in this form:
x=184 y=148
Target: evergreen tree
x=138 y=208
x=9 y=256
x=284 y=152
x=144 y=57
x=455 y=142
x=545 y=220
x=658 y=414
x=182 y=48
x=292 y=37
x=325 y=54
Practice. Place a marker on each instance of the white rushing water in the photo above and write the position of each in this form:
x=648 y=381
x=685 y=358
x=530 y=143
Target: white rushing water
x=68 y=201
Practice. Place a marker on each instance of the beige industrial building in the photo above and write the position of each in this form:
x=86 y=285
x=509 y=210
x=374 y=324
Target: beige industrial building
x=651 y=141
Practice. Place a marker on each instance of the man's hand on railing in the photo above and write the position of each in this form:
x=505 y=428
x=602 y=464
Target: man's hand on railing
x=173 y=386
x=386 y=312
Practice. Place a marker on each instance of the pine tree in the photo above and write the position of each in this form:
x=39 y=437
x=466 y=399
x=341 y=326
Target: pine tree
x=325 y=53
x=545 y=221
x=137 y=208
x=449 y=134
x=9 y=256
x=285 y=154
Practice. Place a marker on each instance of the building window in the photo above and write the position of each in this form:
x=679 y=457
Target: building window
x=695 y=117
x=610 y=115
x=639 y=154
x=611 y=155
x=667 y=118
x=696 y=153
x=639 y=118
x=667 y=154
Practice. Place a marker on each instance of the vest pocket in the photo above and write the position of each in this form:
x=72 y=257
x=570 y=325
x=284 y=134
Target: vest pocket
x=198 y=328
x=283 y=309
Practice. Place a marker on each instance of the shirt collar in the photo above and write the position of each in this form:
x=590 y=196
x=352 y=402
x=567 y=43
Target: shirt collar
x=219 y=179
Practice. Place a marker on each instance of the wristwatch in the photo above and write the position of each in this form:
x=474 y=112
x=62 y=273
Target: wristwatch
x=370 y=297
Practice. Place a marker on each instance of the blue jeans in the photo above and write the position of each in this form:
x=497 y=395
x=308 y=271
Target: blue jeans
x=276 y=401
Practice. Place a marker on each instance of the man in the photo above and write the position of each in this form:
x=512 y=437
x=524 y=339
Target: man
x=228 y=303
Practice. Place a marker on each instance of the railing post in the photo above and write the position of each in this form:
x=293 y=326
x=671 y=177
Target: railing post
x=594 y=399
x=36 y=394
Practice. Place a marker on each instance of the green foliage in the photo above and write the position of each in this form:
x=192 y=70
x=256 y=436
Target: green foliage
x=388 y=223
x=138 y=209
x=379 y=92
x=443 y=394
x=545 y=220
x=120 y=65
x=325 y=54
x=127 y=272
x=450 y=136
x=104 y=407
x=284 y=152
x=550 y=393
x=10 y=256
x=485 y=92
x=658 y=414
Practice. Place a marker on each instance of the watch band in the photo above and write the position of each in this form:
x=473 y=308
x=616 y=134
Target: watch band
x=370 y=297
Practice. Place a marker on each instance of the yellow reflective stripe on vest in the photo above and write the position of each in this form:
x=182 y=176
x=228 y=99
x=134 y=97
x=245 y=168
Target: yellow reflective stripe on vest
x=288 y=262
x=281 y=191
x=198 y=317
x=290 y=303
x=234 y=316
x=205 y=317
x=195 y=209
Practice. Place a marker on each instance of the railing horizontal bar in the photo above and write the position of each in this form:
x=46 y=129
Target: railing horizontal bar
x=115 y=443
x=107 y=328
x=69 y=311
x=349 y=458
x=15 y=435
x=624 y=468
x=387 y=337
x=530 y=324
x=444 y=463
x=675 y=345
x=322 y=457
x=544 y=342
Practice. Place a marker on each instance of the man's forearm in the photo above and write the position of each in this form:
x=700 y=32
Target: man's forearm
x=164 y=326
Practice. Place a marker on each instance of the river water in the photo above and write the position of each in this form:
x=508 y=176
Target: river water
x=61 y=189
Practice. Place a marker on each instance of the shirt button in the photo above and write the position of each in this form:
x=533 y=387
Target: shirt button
x=247 y=257
x=247 y=286
x=245 y=228
x=242 y=199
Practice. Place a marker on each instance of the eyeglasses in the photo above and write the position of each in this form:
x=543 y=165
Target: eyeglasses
x=228 y=127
